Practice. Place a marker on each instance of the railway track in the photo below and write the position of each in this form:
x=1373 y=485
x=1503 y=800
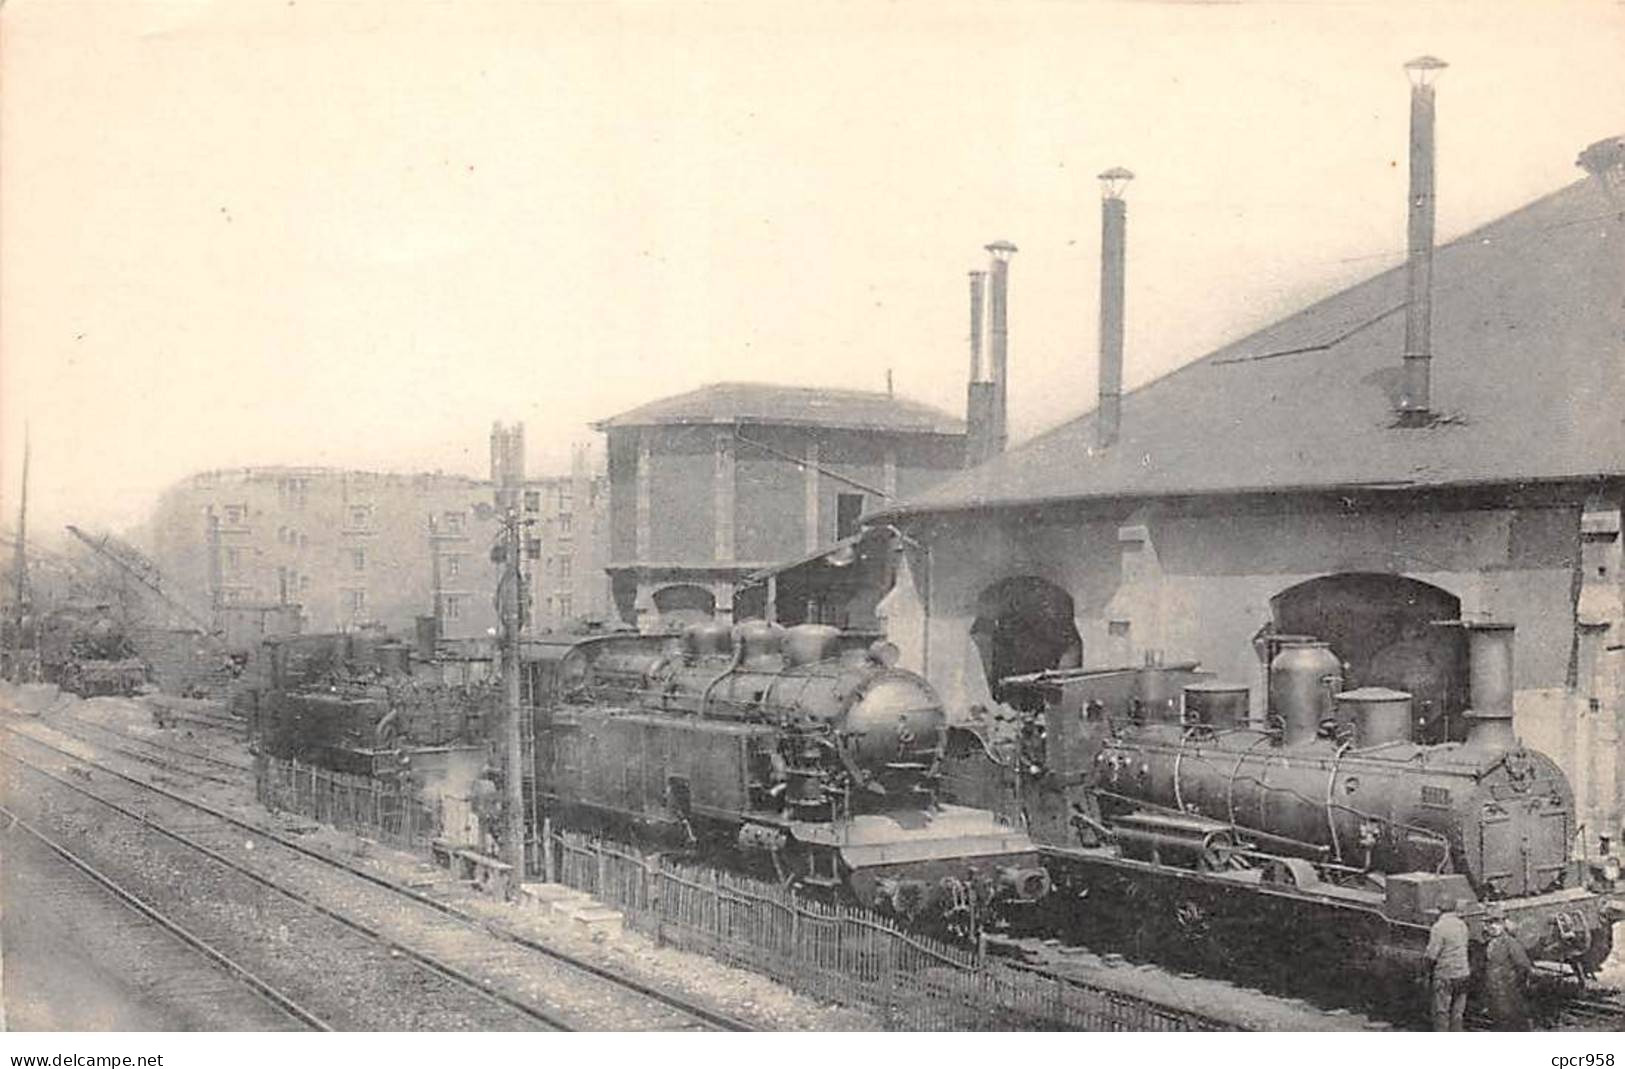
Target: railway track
x=154 y=752
x=1554 y=1003
x=220 y=1003
x=527 y=976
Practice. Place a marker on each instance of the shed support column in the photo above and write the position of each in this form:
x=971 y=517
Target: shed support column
x=1600 y=618
x=889 y=479
x=771 y=611
x=722 y=591
x=723 y=497
x=810 y=473
x=645 y=462
x=644 y=612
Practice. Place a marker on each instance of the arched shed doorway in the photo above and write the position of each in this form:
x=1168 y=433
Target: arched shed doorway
x=684 y=603
x=1382 y=626
x=1023 y=625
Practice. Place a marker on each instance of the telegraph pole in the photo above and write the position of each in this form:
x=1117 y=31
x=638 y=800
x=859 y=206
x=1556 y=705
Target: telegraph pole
x=20 y=607
x=514 y=782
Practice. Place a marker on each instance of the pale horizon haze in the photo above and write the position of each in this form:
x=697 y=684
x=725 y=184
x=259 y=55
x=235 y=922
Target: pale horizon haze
x=352 y=234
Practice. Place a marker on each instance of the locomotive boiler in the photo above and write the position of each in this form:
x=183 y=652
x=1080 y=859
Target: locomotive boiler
x=1325 y=830
x=798 y=750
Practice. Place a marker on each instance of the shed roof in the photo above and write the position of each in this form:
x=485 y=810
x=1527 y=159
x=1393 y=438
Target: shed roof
x=1528 y=364
x=765 y=403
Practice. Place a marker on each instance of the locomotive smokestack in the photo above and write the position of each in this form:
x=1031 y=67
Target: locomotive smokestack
x=978 y=391
x=1415 y=383
x=1489 y=654
x=999 y=337
x=1113 y=232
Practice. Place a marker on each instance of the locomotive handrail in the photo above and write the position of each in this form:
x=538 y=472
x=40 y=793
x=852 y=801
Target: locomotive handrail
x=1331 y=784
x=1230 y=783
x=1266 y=789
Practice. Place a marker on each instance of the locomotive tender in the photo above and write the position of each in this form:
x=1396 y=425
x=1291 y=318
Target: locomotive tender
x=797 y=748
x=1326 y=830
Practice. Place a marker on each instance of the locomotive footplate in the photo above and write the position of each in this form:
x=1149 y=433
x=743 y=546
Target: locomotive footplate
x=915 y=861
x=1568 y=925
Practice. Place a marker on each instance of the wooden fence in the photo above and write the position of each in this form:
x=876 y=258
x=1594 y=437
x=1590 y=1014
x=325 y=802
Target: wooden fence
x=362 y=804
x=846 y=955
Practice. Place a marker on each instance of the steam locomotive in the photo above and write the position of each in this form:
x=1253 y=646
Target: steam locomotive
x=800 y=751
x=1324 y=836
x=360 y=703
x=86 y=652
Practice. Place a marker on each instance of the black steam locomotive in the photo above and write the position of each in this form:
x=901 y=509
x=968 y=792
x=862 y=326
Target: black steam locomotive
x=801 y=750
x=86 y=652
x=361 y=703
x=1322 y=836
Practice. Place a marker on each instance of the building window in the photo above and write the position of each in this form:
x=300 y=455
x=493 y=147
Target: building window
x=533 y=500
x=304 y=582
x=360 y=516
x=291 y=492
x=451 y=606
x=455 y=522
x=235 y=515
x=564 y=605
x=533 y=549
x=358 y=560
x=564 y=523
x=848 y=507
x=358 y=602
x=234 y=557
x=564 y=567
x=453 y=565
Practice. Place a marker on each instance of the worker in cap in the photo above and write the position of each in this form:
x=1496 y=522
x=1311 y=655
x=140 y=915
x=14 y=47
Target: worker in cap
x=1447 y=957
x=1506 y=966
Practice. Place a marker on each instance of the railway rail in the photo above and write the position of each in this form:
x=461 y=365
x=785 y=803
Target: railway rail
x=153 y=751
x=1556 y=1005
x=245 y=980
x=466 y=951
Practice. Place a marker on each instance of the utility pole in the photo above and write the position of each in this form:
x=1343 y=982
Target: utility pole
x=512 y=609
x=20 y=608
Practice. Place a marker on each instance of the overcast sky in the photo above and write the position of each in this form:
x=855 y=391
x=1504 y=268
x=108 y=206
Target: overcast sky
x=353 y=234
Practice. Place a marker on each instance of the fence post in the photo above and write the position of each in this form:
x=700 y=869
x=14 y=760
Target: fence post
x=548 y=872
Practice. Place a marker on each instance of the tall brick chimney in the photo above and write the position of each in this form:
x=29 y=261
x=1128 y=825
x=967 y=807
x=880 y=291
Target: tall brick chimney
x=999 y=342
x=978 y=390
x=1415 y=400
x=1113 y=236
x=507 y=463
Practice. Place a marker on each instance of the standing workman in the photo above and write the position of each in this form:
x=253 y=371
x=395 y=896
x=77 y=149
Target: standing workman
x=1506 y=965
x=1447 y=953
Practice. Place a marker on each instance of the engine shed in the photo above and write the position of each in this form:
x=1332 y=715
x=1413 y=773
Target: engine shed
x=1274 y=486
